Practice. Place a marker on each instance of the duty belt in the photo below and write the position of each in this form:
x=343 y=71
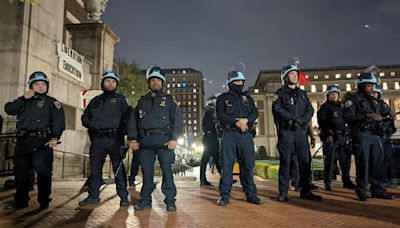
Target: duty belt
x=41 y=133
x=105 y=133
x=153 y=132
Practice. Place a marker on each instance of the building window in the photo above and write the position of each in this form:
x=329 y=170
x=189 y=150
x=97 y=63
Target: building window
x=189 y=103
x=256 y=90
x=396 y=85
x=313 y=88
x=173 y=79
x=326 y=76
x=194 y=96
x=348 y=87
x=194 y=84
x=307 y=76
x=385 y=86
x=194 y=103
x=168 y=91
x=392 y=73
x=195 y=122
x=381 y=74
x=194 y=90
x=190 y=122
x=173 y=85
x=302 y=87
x=168 y=85
x=337 y=76
x=324 y=87
x=194 y=109
x=179 y=85
x=195 y=128
x=195 y=134
x=190 y=115
x=315 y=77
x=348 y=75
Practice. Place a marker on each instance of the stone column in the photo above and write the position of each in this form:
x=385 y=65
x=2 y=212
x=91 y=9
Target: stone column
x=96 y=42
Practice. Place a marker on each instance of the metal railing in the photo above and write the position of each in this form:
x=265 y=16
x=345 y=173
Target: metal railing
x=7 y=148
x=68 y=164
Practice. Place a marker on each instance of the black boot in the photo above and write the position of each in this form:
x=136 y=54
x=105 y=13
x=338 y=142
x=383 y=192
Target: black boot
x=308 y=195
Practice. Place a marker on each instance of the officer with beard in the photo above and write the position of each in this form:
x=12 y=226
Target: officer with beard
x=107 y=119
x=363 y=114
x=159 y=124
x=388 y=129
x=40 y=123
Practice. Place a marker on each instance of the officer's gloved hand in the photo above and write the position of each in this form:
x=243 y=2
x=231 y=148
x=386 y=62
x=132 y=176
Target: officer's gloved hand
x=28 y=94
x=171 y=144
x=374 y=116
x=329 y=140
x=52 y=143
x=133 y=145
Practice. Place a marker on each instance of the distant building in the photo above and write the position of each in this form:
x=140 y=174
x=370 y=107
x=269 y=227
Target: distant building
x=268 y=81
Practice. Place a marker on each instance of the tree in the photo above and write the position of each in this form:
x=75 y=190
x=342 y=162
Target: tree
x=132 y=84
x=262 y=154
x=33 y=2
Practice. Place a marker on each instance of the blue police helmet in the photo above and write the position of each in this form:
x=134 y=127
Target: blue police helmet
x=235 y=76
x=110 y=74
x=377 y=88
x=155 y=72
x=367 y=78
x=287 y=69
x=331 y=89
x=37 y=76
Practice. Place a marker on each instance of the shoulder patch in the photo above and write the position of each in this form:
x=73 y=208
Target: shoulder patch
x=57 y=104
x=348 y=103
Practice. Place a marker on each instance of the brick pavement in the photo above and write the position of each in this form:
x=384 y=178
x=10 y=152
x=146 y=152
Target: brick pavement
x=196 y=208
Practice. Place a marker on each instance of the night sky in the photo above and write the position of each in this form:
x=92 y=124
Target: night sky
x=213 y=35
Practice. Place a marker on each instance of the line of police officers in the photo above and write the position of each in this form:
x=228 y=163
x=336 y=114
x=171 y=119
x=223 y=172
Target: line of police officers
x=362 y=125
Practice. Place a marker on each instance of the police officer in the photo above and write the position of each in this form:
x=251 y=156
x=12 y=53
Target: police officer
x=107 y=119
x=292 y=112
x=294 y=164
x=333 y=131
x=210 y=140
x=237 y=113
x=134 y=167
x=363 y=114
x=159 y=124
x=40 y=123
x=388 y=129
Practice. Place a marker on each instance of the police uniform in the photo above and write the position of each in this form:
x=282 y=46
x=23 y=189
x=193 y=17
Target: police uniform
x=292 y=112
x=388 y=129
x=230 y=106
x=39 y=119
x=210 y=142
x=332 y=124
x=158 y=121
x=134 y=166
x=367 y=146
x=107 y=119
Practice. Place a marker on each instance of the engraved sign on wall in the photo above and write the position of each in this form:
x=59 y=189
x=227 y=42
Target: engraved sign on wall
x=70 y=62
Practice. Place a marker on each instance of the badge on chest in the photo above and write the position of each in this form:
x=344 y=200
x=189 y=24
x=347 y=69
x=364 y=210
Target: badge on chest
x=163 y=102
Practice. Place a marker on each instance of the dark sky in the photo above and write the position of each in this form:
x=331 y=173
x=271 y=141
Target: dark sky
x=211 y=35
